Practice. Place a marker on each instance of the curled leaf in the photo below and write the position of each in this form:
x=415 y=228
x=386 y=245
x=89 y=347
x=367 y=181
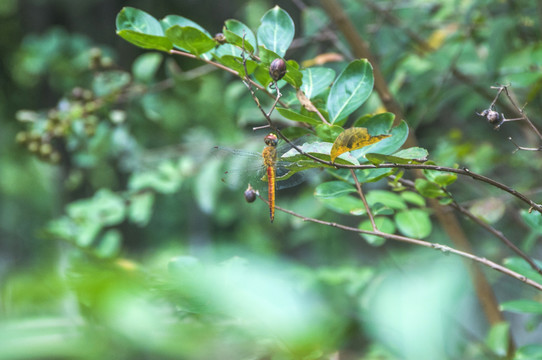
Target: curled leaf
x=353 y=139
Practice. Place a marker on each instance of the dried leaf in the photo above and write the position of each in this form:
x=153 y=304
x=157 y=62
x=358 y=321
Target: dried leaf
x=305 y=102
x=353 y=139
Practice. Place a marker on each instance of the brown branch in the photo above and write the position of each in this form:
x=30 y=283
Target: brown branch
x=498 y=234
x=364 y=200
x=405 y=239
x=225 y=68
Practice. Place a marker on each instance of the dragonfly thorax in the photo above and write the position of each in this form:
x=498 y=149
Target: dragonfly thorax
x=269 y=155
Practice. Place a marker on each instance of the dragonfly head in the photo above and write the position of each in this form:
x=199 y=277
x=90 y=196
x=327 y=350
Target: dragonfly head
x=271 y=140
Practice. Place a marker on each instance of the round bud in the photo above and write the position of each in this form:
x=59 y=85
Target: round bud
x=250 y=194
x=277 y=69
x=220 y=38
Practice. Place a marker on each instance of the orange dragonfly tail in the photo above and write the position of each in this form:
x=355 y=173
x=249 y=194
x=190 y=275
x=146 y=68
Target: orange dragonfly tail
x=269 y=154
x=271 y=191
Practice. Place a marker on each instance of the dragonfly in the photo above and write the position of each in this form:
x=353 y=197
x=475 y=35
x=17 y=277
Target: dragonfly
x=268 y=167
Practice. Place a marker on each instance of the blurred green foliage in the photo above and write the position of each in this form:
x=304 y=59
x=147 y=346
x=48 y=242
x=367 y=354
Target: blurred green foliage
x=118 y=239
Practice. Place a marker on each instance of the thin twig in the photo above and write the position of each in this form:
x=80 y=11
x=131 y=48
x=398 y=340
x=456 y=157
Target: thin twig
x=523 y=147
x=225 y=68
x=498 y=234
x=504 y=88
x=362 y=196
x=276 y=99
x=436 y=246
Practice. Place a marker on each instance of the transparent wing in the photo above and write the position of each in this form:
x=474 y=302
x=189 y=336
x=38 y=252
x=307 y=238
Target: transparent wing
x=245 y=167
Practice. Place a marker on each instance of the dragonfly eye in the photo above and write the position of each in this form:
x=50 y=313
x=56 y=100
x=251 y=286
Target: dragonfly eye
x=271 y=140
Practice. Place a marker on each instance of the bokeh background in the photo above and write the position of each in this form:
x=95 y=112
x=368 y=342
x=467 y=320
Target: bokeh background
x=122 y=242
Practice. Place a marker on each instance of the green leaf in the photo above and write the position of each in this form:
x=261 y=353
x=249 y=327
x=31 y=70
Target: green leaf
x=386 y=146
x=295 y=116
x=387 y=198
x=438 y=177
x=140 y=210
x=235 y=63
x=235 y=31
x=172 y=20
x=145 y=41
x=413 y=223
x=261 y=74
x=327 y=132
x=293 y=76
x=519 y=265
x=413 y=198
x=350 y=90
x=383 y=224
x=533 y=219
x=376 y=124
x=316 y=80
x=405 y=156
x=378 y=159
x=522 y=306
x=141 y=29
x=497 y=338
x=109 y=245
x=190 y=39
x=166 y=179
x=373 y=175
x=130 y=18
x=333 y=189
x=105 y=208
x=276 y=31
x=145 y=66
x=428 y=189
x=348 y=205
x=529 y=352
x=412 y=153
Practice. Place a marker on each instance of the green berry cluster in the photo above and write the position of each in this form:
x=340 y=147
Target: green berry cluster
x=47 y=134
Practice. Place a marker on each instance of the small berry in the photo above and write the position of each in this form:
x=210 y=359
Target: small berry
x=277 y=69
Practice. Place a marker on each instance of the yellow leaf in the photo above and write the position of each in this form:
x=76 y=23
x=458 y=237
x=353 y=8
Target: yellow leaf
x=353 y=139
x=438 y=36
x=322 y=59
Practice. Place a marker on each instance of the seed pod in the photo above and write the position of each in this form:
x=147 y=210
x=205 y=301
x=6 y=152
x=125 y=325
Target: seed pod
x=277 y=69
x=21 y=137
x=45 y=149
x=493 y=117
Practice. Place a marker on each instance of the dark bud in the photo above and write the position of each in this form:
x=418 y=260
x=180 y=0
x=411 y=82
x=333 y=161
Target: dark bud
x=250 y=194
x=277 y=69
x=493 y=117
x=220 y=38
